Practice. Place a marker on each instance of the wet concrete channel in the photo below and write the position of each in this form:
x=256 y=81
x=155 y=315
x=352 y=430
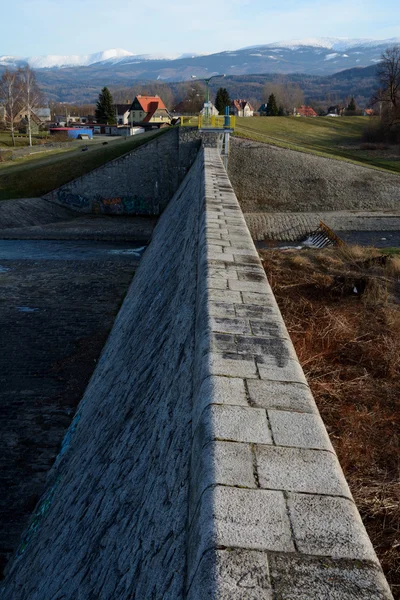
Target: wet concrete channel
x=378 y=239
x=58 y=302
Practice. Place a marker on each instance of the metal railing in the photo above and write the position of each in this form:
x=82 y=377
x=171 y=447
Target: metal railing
x=210 y=122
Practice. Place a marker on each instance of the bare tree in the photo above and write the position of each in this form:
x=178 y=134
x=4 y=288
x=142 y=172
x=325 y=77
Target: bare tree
x=10 y=96
x=287 y=95
x=388 y=94
x=31 y=96
x=388 y=73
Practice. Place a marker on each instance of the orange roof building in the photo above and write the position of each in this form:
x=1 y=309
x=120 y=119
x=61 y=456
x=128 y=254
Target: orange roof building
x=305 y=111
x=149 y=109
x=241 y=108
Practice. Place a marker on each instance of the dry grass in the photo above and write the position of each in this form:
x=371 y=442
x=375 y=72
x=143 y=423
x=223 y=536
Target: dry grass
x=349 y=346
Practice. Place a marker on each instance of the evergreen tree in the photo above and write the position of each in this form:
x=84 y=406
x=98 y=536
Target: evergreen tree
x=272 y=108
x=105 y=112
x=222 y=100
x=352 y=105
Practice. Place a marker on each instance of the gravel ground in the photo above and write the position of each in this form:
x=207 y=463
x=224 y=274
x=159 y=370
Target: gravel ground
x=270 y=179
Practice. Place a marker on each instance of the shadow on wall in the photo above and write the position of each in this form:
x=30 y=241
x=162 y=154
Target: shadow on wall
x=125 y=205
x=141 y=182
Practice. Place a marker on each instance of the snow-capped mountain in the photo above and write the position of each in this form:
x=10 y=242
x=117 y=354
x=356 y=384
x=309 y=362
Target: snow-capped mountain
x=329 y=43
x=310 y=55
x=111 y=57
x=117 y=67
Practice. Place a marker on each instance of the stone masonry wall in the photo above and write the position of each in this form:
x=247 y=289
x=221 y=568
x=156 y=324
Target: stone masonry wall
x=112 y=524
x=270 y=513
x=141 y=182
x=197 y=466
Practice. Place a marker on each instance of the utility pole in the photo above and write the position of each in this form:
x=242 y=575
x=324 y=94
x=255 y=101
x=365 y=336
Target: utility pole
x=207 y=82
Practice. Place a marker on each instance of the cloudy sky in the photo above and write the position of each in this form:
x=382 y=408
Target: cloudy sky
x=35 y=27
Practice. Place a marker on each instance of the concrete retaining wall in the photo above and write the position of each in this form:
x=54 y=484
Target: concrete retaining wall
x=275 y=180
x=197 y=465
x=139 y=183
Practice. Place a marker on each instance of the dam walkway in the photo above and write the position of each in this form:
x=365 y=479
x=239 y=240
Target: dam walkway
x=197 y=466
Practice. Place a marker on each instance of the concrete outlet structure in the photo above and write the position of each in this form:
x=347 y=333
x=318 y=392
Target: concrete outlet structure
x=197 y=465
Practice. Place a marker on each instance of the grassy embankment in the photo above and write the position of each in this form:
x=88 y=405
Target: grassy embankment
x=349 y=346
x=21 y=140
x=338 y=138
x=33 y=175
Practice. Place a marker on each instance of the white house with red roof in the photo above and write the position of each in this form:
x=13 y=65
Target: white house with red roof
x=149 y=109
x=241 y=108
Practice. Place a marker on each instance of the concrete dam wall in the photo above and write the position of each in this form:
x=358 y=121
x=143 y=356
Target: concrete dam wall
x=197 y=465
x=141 y=182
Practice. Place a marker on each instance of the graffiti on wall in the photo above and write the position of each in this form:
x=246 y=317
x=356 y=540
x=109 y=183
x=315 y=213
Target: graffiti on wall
x=121 y=205
x=125 y=205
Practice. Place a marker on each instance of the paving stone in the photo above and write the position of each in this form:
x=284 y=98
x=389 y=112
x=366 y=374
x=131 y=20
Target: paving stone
x=215 y=283
x=221 y=309
x=246 y=259
x=271 y=327
x=297 y=577
x=223 y=257
x=239 y=518
x=219 y=390
x=255 y=276
x=225 y=296
x=226 y=325
x=232 y=575
x=260 y=522
x=213 y=249
x=219 y=242
x=300 y=470
x=222 y=463
x=257 y=312
x=247 y=286
x=231 y=365
x=281 y=395
x=328 y=526
x=220 y=342
x=300 y=430
x=265 y=299
x=280 y=368
x=240 y=424
x=257 y=345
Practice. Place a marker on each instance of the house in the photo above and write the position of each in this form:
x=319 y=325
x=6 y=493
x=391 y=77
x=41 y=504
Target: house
x=368 y=112
x=335 y=110
x=262 y=111
x=305 y=111
x=209 y=110
x=149 y=109
x=21 y=121
x=241 y=108
x=44 y=114
x=122 y=113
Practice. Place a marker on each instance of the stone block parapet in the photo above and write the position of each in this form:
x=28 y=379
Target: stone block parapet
x=270 y=514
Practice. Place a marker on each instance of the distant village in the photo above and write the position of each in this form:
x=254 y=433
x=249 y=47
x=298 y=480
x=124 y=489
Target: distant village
x=150 y=112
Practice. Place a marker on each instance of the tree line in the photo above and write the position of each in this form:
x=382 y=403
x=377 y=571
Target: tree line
x=19 y=91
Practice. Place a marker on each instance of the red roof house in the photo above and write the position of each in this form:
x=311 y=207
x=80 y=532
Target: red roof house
x=305 y=111
x=149 y=109
x=242 y=108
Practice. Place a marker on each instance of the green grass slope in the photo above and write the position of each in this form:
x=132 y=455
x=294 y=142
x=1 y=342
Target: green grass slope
x=338 y=138
x=34 y=175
